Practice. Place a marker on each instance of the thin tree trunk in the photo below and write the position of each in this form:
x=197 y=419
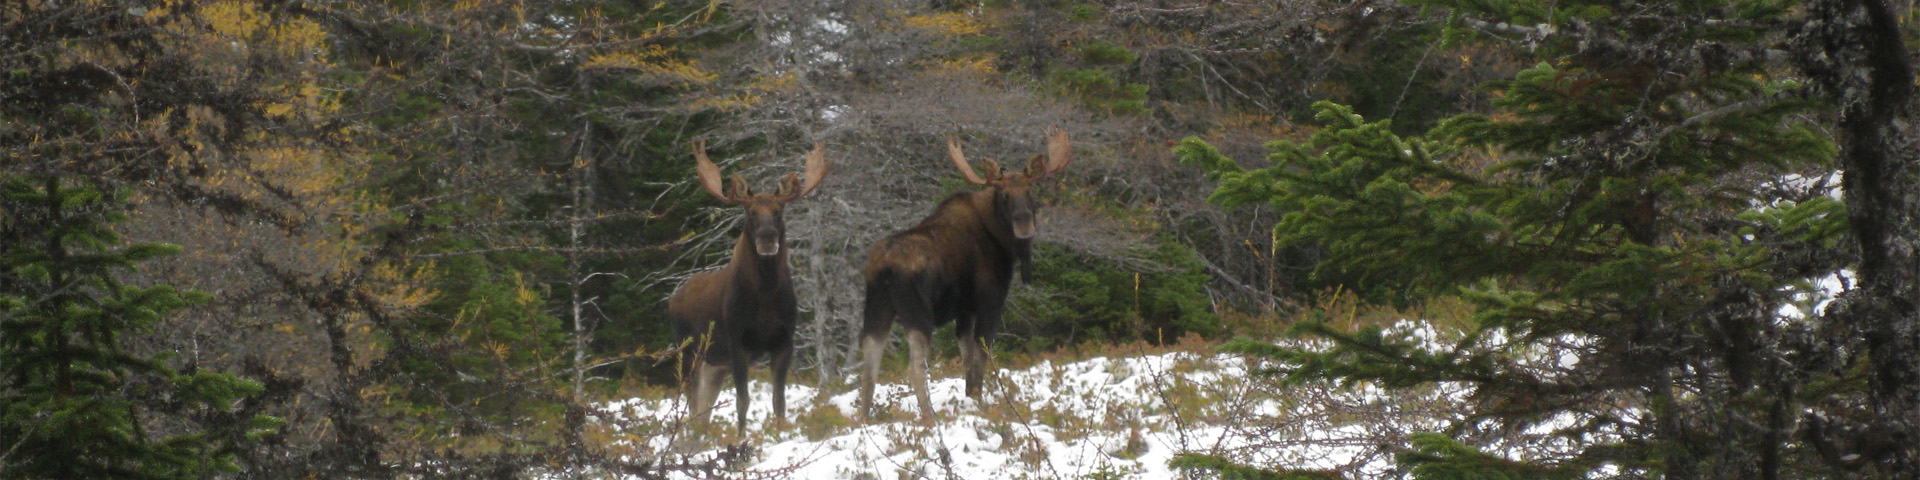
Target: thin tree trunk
x=581 y=210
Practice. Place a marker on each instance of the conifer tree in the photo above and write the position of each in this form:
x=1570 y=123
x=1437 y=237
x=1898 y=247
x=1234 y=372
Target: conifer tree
x=74 y=402
x=1643 y=205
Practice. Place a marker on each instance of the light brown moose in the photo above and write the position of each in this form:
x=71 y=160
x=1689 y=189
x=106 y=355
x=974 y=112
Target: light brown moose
x=747 y=307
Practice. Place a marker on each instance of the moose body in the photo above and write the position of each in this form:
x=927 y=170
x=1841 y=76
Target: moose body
x=953 y=267
x=726 y=317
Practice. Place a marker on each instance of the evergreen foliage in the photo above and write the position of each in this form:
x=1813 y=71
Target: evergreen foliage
x=1439 y=457
x=1098 y=89
x=416 y=213
x=75 y=402
x=1107 y=53
x=1079 y=299
x=1630 y=207
x=1228 y=470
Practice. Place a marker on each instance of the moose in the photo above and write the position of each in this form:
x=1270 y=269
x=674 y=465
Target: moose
x=725 y=317
x=954 y=266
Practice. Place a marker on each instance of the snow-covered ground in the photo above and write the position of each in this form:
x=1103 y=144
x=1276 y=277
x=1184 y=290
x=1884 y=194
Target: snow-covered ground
x=1095 y=418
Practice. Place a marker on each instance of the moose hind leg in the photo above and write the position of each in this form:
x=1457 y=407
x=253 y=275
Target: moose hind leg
x=876 y=326
x=918 y=349
x=872 y=348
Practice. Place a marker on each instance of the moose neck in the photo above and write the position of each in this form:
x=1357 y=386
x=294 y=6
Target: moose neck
x=998 y=227
x=765 y=270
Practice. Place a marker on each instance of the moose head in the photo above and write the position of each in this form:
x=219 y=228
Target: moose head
x=763 y=224
x=1013 y=203
x=1013 y=191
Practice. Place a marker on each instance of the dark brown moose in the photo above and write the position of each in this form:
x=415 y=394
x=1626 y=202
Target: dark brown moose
x=747 y=307
x=955 y=266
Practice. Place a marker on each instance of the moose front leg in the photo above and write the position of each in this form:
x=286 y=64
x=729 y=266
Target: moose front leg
x=782 y=359
x=740 y=378
x=705 y=389
x=973 y=353
x=976 y=341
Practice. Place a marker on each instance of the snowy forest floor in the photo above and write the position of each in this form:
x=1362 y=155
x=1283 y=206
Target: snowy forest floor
x=1118 y=414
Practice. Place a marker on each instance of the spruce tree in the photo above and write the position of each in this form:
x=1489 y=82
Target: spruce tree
x=1644 y=202
x=74 y=402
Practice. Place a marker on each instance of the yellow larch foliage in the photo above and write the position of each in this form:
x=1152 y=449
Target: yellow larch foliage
x=522 y=293
x=723 y=102
x=403 y=285
x=234 y=20
x=298 y=37
x=973 y=64
x=951 y=23
x=640 y=58
x=778 y=82
x=312 y=185
x=679 y=71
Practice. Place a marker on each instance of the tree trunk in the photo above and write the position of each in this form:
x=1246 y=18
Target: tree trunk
x=1863 y=64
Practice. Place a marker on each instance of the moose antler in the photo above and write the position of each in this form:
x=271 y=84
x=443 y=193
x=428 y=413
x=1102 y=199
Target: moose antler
x=960 y=162
x=816 y=171
x=1059 y=151
x=708 y=172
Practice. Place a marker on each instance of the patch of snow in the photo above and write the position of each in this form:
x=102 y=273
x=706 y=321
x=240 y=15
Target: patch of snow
x=1814 y=296
x=1101 y=417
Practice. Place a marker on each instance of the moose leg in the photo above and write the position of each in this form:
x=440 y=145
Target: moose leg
x=974 y=342
x=782 y=358
x=917 y=351
x=875 y=327
x=973 y=353
x=706 y=389
x=872 y=347
x=740 y=378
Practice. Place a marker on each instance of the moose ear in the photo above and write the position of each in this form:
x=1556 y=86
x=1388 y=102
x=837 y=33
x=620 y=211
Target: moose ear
x=990 y=169
x=789 y=187
x=1037 y=166
x=737 y=188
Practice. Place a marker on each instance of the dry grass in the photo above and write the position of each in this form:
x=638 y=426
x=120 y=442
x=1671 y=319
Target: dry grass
x=1046 y=405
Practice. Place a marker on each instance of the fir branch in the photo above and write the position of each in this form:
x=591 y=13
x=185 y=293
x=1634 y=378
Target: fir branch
x=1746 y=106
x=1228 y=470
x=39 y=419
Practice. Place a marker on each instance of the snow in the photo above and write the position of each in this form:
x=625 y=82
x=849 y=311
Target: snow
x=1067 y=410
x=1816 y=295
x=1102 y=417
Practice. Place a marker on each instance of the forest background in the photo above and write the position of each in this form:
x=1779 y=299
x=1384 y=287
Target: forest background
x=421 y=238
